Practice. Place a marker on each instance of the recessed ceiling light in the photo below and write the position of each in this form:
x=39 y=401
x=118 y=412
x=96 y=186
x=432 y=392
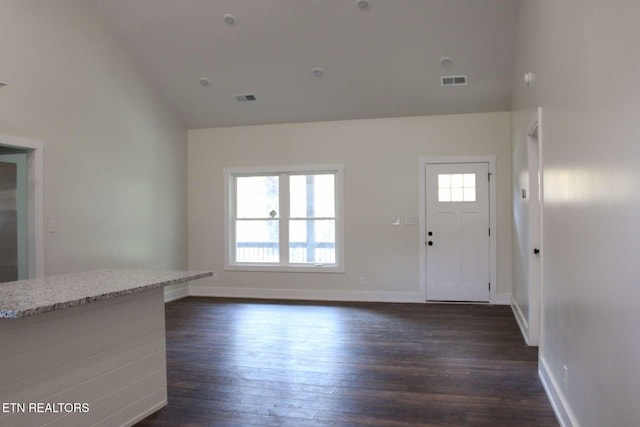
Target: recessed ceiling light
x=203 y=81
x=229 y=18
x=363 y=4
x=446 y=62
x=317 y=72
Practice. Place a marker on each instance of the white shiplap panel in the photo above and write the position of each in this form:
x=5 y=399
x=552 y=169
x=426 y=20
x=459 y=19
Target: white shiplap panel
x=110 y=354
x=137 y=410
x=111 y=404
x=114 y=380
x=43 y=359
x=46 y=328
x=99 y=409
x=39 y=387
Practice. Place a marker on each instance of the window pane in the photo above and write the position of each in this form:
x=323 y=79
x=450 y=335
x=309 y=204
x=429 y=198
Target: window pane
x=457 y=187
x=257 y=241
x=456 y=180
x=257 y=197
x=444 y=195
x=444 y=180
x=469 y=180
x=469 y=194
x=312 y=242
x=456 y=195
x=312 y=196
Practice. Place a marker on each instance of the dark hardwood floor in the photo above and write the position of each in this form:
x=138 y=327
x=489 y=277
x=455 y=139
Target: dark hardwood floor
x=274 y=363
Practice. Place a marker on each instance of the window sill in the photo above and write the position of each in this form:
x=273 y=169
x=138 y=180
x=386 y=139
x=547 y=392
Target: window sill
x=285 y=268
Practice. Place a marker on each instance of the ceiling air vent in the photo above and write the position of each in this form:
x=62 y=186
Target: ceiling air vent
x=245 y=97
x=453 y=80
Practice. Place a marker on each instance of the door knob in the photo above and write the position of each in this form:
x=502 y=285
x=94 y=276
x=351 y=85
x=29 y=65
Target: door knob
x=430 y=243
x=430 y=233
x=536 y=251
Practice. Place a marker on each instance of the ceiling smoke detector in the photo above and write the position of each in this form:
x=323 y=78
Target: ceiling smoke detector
x=229 y=18
x=446 y=62
x=317 y=72
x=245 y=97
x=363 y=4
x=203 y=81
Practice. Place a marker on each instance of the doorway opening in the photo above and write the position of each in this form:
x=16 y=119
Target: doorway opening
x=21 y=213
x=13 y=214
x=534 y=156
x=527 y=302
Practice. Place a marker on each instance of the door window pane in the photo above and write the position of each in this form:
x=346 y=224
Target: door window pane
x=456 y=180
x=444 y=181
x=312 y=241
x=257 y=197
x=469 y=180
x=444 y=194
x=257 y=241
x=457 y=187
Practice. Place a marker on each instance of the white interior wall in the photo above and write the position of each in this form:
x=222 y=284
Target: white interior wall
x=586 y=65
x=380 y=159
x=114 y=155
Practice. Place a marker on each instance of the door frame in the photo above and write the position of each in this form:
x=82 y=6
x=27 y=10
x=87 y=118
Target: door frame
x=35 y=211
x=22 y=246
x=422 y=234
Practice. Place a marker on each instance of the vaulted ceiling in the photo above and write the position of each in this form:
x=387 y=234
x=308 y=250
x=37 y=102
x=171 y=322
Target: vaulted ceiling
x=382 y=61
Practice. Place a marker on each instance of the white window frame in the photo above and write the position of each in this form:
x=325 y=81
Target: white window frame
x=283 y=266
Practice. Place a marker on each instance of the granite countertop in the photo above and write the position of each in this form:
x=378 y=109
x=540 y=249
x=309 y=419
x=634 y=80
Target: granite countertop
x=36 y=296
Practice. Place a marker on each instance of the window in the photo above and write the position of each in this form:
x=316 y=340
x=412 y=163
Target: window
x=284 y=219
x=457 y=187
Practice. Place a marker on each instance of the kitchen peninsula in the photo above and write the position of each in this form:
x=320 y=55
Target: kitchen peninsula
x=84 y=349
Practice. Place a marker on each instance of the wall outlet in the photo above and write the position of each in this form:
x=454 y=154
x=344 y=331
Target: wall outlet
x=565 y=376
x=362 y=280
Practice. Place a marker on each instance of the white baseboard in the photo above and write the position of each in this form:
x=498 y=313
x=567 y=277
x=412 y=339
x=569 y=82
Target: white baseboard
x=563 y=411
x=172 y=293
x=522 y=321
x=303 y=294
x=501 y=299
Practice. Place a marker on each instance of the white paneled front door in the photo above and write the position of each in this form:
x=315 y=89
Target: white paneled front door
x=457 y=228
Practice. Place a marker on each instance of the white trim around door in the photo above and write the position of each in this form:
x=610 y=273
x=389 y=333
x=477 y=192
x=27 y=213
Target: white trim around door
x=35 y=211
x=495 y=298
